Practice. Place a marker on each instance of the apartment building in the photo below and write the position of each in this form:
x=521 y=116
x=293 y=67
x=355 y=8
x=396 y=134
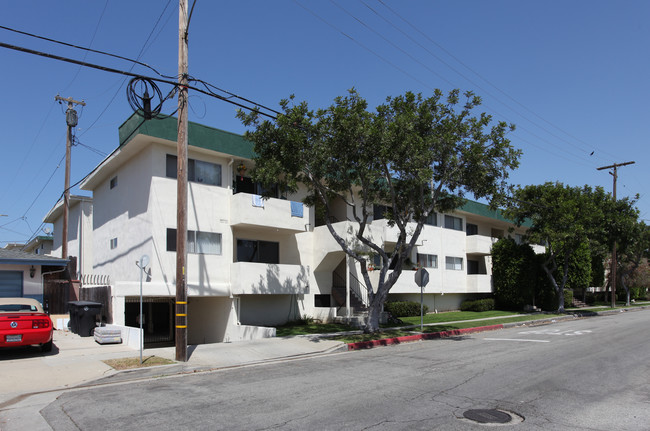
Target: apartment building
x=252 y=263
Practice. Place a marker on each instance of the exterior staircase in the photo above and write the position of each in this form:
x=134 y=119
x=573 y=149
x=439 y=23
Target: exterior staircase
x=578 y=303
x=359 y=308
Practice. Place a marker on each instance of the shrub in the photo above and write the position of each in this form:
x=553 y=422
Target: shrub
x=514 y=270
x=568 y=298
x=404 y=308
x=477 y=305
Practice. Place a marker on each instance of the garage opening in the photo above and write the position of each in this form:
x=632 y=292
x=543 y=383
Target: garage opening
x=11 y=284
x=157 y=319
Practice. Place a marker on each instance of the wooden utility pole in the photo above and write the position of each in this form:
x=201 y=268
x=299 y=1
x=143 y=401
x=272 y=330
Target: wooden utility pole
x=71 y=120
x=613 y=270
x=181 y=203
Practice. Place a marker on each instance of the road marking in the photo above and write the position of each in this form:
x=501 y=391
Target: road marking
x=517 y=339
x=556 y=332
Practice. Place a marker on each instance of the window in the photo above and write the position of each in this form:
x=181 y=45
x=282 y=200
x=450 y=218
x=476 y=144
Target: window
x=258 y=251
x=428 y=260
x=472 y=266
x=380 y=212
x=471 y=229
x=455 y=223
x=113 y=182
x=454 y=263
x=519 y=238
x=113 y=243
x=321 y=300
x=197 y=242
x=197 y=171
x=432 y=219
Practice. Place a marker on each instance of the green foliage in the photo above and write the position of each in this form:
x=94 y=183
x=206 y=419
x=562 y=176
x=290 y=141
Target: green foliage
x=404 y=308
x=485 y=304
x=579 y=274
x=597 y=270
x=568 y=298
x=566 y=218
x=416 y=154
x=514 y=272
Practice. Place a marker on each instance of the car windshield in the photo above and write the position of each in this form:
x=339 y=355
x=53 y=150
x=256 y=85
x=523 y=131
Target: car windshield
x=9 y=308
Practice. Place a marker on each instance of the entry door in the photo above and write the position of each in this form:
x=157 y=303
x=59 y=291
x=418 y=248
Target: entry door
x=11 y=284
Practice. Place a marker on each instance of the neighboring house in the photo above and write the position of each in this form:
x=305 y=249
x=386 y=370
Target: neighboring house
x=80 y=231
x=41 y=245
x=21 y=273
x=251 y=262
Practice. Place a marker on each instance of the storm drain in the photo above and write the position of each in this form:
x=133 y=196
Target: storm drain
x=488 y=416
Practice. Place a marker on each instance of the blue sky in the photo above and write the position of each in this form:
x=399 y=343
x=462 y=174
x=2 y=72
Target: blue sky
x=573 y=77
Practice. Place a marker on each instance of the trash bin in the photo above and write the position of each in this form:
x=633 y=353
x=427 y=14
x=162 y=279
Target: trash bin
x=83 y=315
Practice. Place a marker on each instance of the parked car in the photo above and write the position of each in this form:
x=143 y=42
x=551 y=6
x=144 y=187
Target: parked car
x=24 y=323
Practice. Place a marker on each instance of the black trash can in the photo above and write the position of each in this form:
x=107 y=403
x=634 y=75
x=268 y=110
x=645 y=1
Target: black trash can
x=83 y=315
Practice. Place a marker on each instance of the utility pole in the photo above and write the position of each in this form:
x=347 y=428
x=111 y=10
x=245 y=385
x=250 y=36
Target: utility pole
x=71 y=120
x=181 y=194
x=613 y=270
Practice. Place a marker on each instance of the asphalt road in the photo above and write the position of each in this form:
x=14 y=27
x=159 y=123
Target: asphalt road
x=587 y=374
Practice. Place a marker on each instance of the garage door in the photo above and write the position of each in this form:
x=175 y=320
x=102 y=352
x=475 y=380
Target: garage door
x=11 y=284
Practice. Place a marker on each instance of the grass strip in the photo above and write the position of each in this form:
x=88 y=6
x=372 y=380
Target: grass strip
x=355 y=338
x=129 y=363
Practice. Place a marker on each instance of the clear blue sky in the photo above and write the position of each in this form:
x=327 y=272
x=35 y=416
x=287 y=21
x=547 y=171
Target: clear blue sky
x=573 y=76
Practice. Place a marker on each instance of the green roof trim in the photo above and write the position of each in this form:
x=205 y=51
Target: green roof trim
x=485 y=211
x=198 y=135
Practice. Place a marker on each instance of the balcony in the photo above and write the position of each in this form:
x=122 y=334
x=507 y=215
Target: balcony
x=248 y=278
x=251 y=210
x=479 y=244
x=479 y=283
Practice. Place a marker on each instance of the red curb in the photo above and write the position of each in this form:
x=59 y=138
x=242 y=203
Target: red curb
x=428 y=336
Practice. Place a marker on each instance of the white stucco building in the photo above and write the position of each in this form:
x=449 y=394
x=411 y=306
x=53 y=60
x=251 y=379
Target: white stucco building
x=251 y=263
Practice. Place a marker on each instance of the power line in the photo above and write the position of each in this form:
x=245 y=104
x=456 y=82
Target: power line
x=586 y=149
x=122 y=72
x=92 y=39
x=84 y=49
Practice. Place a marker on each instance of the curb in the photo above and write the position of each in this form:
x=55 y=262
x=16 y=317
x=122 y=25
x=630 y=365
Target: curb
x=360 y=345
x=427 y=336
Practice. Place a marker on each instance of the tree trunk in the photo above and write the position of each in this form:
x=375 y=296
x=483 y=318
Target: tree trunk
x=372 y=322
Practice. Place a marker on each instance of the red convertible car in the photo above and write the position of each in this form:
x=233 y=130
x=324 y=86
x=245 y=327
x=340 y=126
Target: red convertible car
x=23 y=323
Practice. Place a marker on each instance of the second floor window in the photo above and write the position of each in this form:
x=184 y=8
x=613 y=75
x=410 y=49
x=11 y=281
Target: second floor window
x=197 y=242
x=455 y=223
x=454 y=263
x=427 y=260
x=471 y=229
x=258 y=251
x=197 y=171
x=432 y=219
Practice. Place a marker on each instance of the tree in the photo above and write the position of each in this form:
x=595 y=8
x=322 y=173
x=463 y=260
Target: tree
x=634 y=243
x=564 y=218
x=513 y=274
x=416 y=155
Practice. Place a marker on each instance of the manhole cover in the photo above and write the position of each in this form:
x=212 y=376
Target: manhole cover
x=488 y=416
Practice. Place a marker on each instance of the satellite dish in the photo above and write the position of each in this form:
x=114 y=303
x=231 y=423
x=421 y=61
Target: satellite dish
x=144 y=261
x=47 y=230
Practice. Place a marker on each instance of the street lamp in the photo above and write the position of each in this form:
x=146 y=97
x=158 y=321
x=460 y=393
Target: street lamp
x=142 y=263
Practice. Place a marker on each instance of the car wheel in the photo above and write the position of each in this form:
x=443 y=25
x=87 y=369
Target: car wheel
x=46 y=347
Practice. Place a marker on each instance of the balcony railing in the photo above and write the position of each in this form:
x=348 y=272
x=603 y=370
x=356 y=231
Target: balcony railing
x=479 y=244
x=250 y=278
x=247 y=209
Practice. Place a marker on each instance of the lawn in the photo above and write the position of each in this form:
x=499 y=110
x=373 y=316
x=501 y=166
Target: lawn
x=454 y=316
x=311 y=328
x=355 y=338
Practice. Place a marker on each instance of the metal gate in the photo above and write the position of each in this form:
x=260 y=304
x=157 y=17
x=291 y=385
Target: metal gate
x=157 y=321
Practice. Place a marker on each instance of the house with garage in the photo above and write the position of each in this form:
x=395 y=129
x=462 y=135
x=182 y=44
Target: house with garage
x=22 y=274
x=252 y=263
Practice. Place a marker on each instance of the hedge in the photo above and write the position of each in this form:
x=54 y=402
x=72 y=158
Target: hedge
x=404 y=308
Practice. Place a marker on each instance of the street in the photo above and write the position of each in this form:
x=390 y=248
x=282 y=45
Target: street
x=584 y=374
